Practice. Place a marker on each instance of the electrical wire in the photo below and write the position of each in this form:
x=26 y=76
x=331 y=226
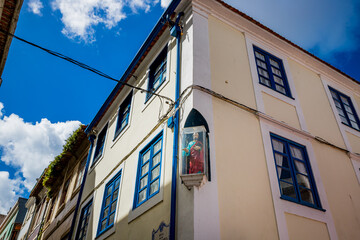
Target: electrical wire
x=85 y=66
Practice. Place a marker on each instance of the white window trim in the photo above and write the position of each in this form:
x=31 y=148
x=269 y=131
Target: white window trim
x=93 y=165
x=116 y=139
x=156 y=199
x=283 y=206
x=343 y=128
x=100 y=194
x=259 y=88
x=167 y=80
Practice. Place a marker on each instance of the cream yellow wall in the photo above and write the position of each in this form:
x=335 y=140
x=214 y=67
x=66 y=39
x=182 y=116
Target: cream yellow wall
x=245 y=203
x=230 y=69
x=318 y=114
x=342 y=189
x=301 y=228
x=354 y=142
x=280 y=110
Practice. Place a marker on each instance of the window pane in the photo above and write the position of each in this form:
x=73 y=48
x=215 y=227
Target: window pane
x=142 y=196
x=265 y=81
x=155 y=173
x=145 y=169
x=113 y=206
x=274 y=63
x=344 y=120
x=146 y=157
x=261 y=63
x=278 y=146
x=259 y=55
x=111 y=219
x=303 y=180
x=344 y=100
x=115 y=194
x=108 y=191
x=106 y=212
x=156 y=159
x=276 y=71
x=351 y=117
x=284 y=174
x=300 y=167
x=264 y=73
x=337 y=104
x=280 y=89
x=154 y=187
x=103 y=225
x=107 y=201
x=348 y=109
x=157 y=146
x=281 y=160
x=306 y=195
x=143 y=181
x=355 y=125
x=287 y=189
x=334 y=95
x=278 y=80
x=296 y=152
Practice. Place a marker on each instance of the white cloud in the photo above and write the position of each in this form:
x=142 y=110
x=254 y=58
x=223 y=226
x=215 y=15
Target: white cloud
x=10 y=190
x=323 y=26
x=35 y=7
x=30 y=147
x=1 y=109
x=165 y=3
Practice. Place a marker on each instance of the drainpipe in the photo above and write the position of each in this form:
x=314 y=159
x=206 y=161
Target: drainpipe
x=175 y=31
x=91 y=139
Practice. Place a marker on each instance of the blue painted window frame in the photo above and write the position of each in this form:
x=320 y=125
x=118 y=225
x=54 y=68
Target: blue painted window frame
x=84 y=221
x=123 y=115
x=100 y=144
x=157 y=72
x=148 y=174
x=345 y=109
x=111 y=192
x=271 y=72
x=289 y=167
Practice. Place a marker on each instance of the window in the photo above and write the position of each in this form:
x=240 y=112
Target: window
x=345 y=109
x=52 y=206
x=100 y=144
x=271 y=72
x=84 y=221
x=149 y=167
x=123 y=116
x=80 y=174
x=108 y=209
x=157 y=74
x=64 y=192
x=293 y=169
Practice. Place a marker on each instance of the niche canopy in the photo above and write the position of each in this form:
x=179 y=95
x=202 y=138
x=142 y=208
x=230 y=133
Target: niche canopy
x=194 y=155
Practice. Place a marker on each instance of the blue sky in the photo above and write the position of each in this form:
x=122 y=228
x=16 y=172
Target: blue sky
x=43 y=98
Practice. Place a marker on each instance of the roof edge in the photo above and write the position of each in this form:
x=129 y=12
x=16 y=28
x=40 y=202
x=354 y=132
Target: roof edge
x=138 y=57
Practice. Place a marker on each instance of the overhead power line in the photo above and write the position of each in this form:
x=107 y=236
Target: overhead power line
x=85 y=66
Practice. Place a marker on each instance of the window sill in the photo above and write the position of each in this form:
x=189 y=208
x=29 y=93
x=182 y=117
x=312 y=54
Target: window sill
x=119 y=134
x=106 y=233
x=351 y=128
x=145 y=206
x=302 y=204
x=61 y=207
x=96 y=162
x=289 y=96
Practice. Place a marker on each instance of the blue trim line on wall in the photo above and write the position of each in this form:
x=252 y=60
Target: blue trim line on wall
x=159 y=25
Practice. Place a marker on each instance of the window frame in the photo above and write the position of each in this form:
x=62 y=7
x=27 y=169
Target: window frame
x=87 y=207
x=126 y=104
x=103 y=206
x=281 y=68
x=287 y=143
x=161 y=60
x=351 y=105
x=99 y=150
x=148 y=147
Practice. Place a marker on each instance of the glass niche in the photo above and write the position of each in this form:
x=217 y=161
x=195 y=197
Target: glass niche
x=194 y=155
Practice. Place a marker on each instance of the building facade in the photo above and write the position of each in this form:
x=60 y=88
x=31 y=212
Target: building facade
x=10 y=226
x=221 y=129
